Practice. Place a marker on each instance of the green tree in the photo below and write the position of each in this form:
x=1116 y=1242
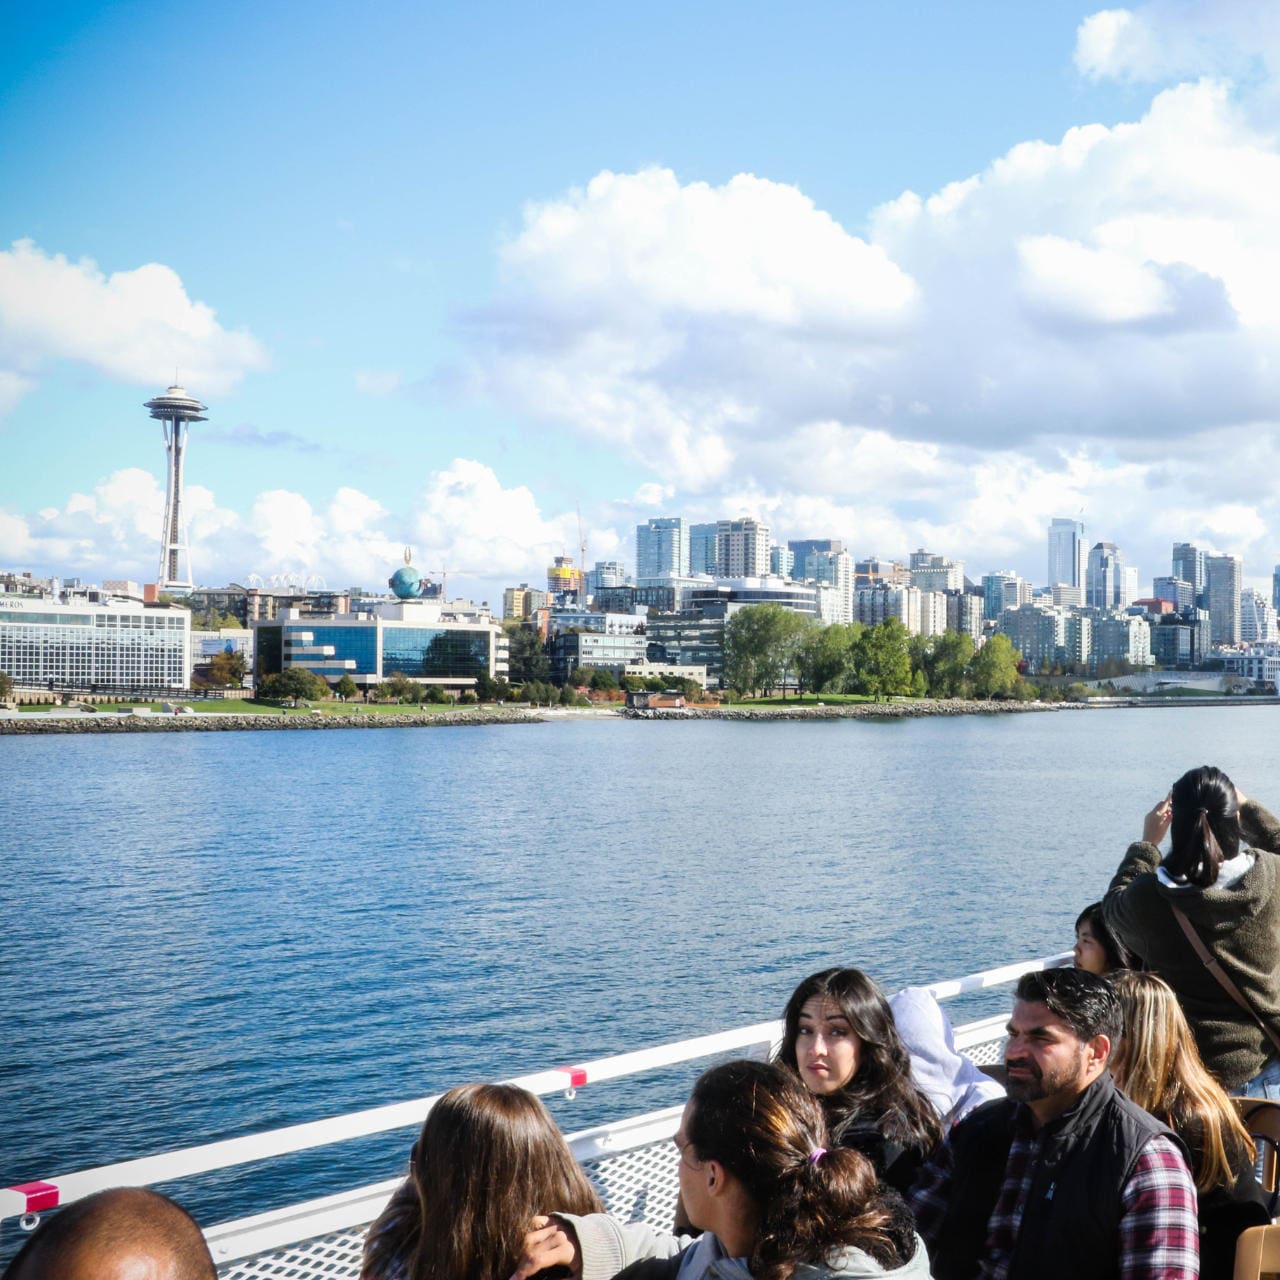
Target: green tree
x=399 y=688
x=6 y=686
x=567 y=695
x=603 y=681
x=995 y=668
x=346 y=688
x=761 y=646
x=945 y=661
x=527 y=657
x=435 y=695
x=294 y=685
x=824 y=656
x=227 y=669
x=882 y=661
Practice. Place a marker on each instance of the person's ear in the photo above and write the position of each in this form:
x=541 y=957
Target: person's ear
x=717 y=1177
x=1098 y=1051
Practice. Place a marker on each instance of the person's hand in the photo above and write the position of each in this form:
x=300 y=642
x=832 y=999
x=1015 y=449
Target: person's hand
x=1156 y=824
x=549 y=1243
x=1241 y=799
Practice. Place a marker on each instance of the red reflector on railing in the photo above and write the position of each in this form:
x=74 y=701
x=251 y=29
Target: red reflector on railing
x=40 y=1195
x=577 y=1075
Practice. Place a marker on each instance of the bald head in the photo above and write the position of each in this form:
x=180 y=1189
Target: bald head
x=124 y=1234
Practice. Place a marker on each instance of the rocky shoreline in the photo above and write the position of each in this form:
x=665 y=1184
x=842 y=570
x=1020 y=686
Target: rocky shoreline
x=206 y=722
x=897 y=710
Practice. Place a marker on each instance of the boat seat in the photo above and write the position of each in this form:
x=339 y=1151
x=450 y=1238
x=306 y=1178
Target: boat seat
x=1258 y=1253
x=1261 y=1117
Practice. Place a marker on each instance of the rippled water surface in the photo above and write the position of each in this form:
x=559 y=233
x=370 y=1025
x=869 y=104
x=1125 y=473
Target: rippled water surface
x=206 y=935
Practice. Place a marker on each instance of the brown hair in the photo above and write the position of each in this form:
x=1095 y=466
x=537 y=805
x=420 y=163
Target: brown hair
x=882 y=1090
x=489 y=1157
x=767 y=1130
x=1159 y=1067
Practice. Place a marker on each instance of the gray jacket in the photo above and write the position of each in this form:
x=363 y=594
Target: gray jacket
x=609 y=1248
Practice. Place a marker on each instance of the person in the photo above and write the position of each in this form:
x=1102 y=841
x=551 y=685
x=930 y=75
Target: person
x=952 y=1082
x=841 y=1040
x=773 y=1198
x=1158 y=1066
x=1066 y=1177
x=488 y=1158
x=119 y=1234
x=1230 y=895
x=1097 y=948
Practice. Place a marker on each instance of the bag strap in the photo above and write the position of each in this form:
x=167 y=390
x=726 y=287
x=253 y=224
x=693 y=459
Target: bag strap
x=1211 y=963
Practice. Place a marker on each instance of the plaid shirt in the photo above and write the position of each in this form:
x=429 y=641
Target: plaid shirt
x=1159 y=1237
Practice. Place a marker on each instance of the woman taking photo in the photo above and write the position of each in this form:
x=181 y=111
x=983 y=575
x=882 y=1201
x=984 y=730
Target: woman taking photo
x=1214 y=892
x=489 y=1157
x=1157 y=1065
x=774 y=1201
x=841 y=1040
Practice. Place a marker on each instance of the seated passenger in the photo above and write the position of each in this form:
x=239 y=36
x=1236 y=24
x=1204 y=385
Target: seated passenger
x=1066 y=1179
x=841 y=1040
x=758 y=1178
x=489 y=1157
x=1158 y=1066
x=121 y=1234
x=1097 y=948
x=954 y=1083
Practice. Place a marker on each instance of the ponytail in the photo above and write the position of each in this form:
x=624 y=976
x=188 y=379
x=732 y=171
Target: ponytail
x=1205 y=830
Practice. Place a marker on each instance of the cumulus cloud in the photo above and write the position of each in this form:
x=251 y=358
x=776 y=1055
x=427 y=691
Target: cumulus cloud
x=135 y=326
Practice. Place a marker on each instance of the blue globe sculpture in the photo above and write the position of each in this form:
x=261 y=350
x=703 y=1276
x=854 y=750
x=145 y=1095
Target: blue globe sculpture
x=406 y=582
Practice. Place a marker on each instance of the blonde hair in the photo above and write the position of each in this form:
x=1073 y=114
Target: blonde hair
x=1160 y=1068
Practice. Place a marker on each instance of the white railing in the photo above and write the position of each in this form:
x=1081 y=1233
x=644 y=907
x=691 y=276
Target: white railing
x=595 y=1148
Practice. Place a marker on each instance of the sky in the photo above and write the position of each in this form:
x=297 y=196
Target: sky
x=462 y=278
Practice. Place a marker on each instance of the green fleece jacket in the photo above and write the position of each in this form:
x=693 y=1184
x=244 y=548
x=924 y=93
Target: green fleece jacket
x=1240 y=925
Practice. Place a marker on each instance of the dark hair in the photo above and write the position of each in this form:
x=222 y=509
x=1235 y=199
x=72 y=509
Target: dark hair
x=1084 y=1001
x=1205 y=829
x=90 y=1235
x=1118 y=955
x=759 y=1121
x=489 y=1157
x=882 y=1089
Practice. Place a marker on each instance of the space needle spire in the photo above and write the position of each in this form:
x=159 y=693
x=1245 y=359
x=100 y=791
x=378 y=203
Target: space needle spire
x=175 y=410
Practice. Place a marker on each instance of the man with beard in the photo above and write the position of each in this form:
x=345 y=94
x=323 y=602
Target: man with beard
x=1066 y=1177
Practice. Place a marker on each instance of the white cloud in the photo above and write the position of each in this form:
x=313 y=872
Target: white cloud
x=378 y=382
x=136 y=326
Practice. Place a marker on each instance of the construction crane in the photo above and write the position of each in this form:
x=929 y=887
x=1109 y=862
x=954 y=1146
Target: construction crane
x=443 y=575
x=582 y=548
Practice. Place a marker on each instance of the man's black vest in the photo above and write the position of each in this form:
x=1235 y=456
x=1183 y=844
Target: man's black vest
x=1071 y=1221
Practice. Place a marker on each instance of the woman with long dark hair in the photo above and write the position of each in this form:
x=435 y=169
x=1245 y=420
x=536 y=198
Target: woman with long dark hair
x=773 y=1196
x=1157 y=1064
x=489 y=1157
x=1097 y=949
x=1218 y=888
x=841 y=1040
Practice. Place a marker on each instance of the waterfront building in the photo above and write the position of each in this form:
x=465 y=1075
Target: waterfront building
x=1067 y=554
x=690 y=638
x=520 y=603
x=1223 y=578
x=206 y=645
x=1121 y=637
x=1188 y=564
x=662 y=548
x=104 y=646
x=1257 y=618
x=964 y=612
x=1107 y=579
x=742 y=548
x=598 y=651
x=1178 y=591
x=672 y=672
x=781 y=561
x=702 y=549
x=1180 y=640
x=421 y=639
x=936 y=573
x=1255 y=662
x=175 y=411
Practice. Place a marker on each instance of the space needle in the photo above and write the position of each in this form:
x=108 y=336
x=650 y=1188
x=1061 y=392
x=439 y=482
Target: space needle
x=175 y=410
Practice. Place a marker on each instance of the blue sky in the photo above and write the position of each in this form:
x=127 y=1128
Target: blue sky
x=907 y=274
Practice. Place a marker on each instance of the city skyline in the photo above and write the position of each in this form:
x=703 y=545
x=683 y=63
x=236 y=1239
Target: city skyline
x=947 y=281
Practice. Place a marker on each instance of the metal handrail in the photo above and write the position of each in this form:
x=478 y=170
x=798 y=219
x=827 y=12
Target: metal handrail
x=34 y=1197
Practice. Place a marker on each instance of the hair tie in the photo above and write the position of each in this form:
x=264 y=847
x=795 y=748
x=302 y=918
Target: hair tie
x=816 y=1154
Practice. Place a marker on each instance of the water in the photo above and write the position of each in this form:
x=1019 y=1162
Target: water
x=211 y=934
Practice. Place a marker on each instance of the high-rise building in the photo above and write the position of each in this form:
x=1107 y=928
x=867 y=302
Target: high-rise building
x=1104 y=577
x=1257 y=618
x=176 y=411
x=1003 y=590
x=836 y=568
x=1178 y=591
x=742 y=548
x=662 y=548
x=606 y=573
x=565 y=578
x=1188 y=564
x=1275 y=587
x=936 y=573
x=1223 y=578
x=1066 y=553
x=964 y=613
x=802 y=547
x=782 y=561
x=702 y=548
